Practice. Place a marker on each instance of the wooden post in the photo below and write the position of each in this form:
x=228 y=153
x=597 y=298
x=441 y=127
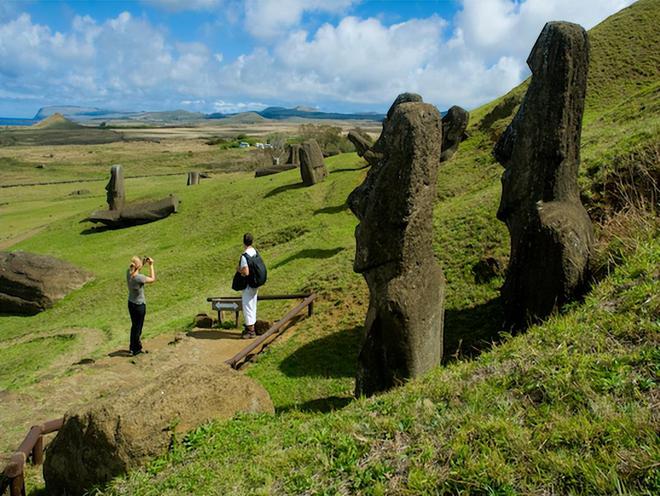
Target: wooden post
x=237 y=324
x=310 y=309
x=38 y=451
x=17 y=487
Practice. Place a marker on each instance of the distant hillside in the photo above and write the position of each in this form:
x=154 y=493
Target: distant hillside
x=300 y=112
x=245 y=118
x=67 y=111
x=168 y=116
x=56 y=121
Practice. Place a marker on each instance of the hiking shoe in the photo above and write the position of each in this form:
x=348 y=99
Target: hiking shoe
x=248 y=335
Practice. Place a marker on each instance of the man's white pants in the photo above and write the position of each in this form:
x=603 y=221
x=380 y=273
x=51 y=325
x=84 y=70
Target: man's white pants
x=249 y=300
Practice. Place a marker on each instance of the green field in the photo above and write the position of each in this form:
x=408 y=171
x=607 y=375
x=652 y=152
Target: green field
x=570 y=407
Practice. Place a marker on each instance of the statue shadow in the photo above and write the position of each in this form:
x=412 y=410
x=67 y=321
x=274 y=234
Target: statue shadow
x=283 y=189
x=310 y=253
x=350 y=169
x=468 y=332
x=332 y=210
x=333 y=356
x=319 y=405
x=96 y=230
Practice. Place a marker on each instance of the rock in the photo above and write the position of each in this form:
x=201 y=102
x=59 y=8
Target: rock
x=204 y=175
x=40 y=166
x=193 y=178
x=261 y=326
x=80 y=192
x=361 y=141
x=551 y=233
x=275 y=169
x=115 y=188
x=312 y=166
x=454 y=125
x=127 y=429
x=203 y=321
x=487 y=269
x=31 y=283
x=404 y=324
x=138 y=213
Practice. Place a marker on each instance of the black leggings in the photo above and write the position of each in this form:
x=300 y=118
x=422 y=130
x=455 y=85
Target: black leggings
x=137 y=321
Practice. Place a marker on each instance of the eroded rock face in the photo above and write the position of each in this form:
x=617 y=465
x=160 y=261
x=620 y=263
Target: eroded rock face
x=116 y=193
x=551 y=233
x=454 y=125
x=404 y=324
x=31 y=283
x=312 y=166
x=361 y=141
x=127 y=429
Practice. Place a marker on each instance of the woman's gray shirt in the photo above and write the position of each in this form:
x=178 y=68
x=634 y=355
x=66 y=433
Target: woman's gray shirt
x=136 y=288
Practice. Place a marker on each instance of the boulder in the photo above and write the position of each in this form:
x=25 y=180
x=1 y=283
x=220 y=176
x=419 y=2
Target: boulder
x=551 y=233
x=31 y=283
x=116 y=193
x=125 y=430
x=203 y=321
x=454 y=125
x=361 y=141
x=312 y=166
x=135 y=214
x=404 y=324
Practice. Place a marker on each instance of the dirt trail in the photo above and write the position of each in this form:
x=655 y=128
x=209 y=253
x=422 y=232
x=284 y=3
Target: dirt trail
x=82 y=383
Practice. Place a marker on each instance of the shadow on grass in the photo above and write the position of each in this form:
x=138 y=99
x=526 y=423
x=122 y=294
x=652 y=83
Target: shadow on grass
x=120 y=353
x=316 y=253
x=332 y=210
x=330 y=356
x=96 y=230
x=350 y=169
x=472 y=331
x=320 y=405
x=211 y=334
x=283 y=189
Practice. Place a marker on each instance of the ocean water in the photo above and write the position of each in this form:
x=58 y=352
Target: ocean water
x=11 y=121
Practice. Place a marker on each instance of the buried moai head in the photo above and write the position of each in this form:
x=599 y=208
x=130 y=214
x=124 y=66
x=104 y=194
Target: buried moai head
x=116 y=194
x=551 y=234
x=454 y=124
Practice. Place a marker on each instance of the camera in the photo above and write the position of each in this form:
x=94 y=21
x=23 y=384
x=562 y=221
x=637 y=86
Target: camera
x=145 y=260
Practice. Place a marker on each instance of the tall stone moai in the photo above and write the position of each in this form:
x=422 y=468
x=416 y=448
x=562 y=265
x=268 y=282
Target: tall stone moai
x=312 y=166
x=394 y=252
x=454 y=125
x=551 y=233
x=116 y=194
x=193 y=179
x=294 y=154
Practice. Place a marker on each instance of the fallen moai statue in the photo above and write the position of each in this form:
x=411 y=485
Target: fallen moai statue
x=127 y=429
x=122 y=215
x=394 y=251
x=31 y=283
x=274 y=169
x=454 y=125
x=551 y=233
x=361 y=141
x=312 y=166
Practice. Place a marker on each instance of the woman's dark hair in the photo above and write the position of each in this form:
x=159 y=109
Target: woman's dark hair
x=248 y=239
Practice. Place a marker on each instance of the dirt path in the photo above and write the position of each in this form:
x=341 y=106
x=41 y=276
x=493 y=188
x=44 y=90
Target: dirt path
x=86 y=381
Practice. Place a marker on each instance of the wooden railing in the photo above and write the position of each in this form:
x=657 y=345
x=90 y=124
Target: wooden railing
x=30 y=450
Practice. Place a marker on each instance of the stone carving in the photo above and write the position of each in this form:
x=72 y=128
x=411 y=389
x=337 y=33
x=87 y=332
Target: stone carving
x=193 y=178
x=404 y=324
x=294 y=155
x=551 y=233
x=312 y=167
x=454 y=125
x=126 y=429
x=116 y=193
x=361 y=141
x=31 y=283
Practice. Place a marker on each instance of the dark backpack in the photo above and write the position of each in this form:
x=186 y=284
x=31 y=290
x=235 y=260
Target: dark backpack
x=258 y=272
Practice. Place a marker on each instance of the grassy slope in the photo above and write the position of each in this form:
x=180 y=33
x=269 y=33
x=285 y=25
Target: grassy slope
x=569 y=407
x=566 y=407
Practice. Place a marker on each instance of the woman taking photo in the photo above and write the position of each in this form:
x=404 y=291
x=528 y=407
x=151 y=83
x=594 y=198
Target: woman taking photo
x=137 y=306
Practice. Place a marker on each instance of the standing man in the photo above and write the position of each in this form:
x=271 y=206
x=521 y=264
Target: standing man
x=249 y=295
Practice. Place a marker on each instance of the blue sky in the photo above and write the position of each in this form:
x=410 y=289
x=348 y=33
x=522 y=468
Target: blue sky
x=231 y=55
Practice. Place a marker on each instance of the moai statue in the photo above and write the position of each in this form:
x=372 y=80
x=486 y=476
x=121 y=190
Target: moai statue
x=312 y=166
x=394 y=252
x=454 y=124
x=551 y=233
x=294 y=155
x=193 y=178
x=361 y=141
x=116 y=194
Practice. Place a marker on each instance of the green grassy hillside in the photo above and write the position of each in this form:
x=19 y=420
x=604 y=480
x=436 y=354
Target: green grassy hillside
x=568 y=408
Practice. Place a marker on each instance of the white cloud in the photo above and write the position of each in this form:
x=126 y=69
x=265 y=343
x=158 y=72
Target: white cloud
x=235 y=107
x=272 y=18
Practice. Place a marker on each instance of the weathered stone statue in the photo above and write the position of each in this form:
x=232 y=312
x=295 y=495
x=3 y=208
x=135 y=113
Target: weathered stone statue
x=193 y=178
x=361 y=141
x=312 y=167
x=404 y=324
x=115 y=188
x=294 y=155
x=551 y=233
x=454 y=124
